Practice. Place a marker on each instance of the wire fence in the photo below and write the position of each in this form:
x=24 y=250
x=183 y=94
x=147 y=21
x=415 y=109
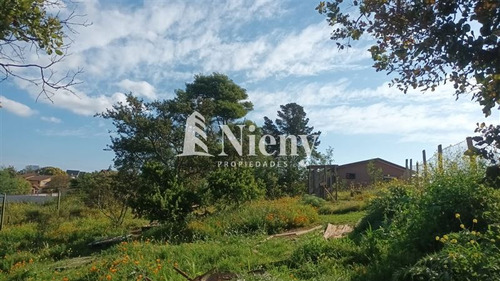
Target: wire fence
x=455 y=153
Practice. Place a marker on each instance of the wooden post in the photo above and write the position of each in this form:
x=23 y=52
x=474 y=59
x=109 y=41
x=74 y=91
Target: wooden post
x=406 y=168
x=411 y=170
x=425 y=164
x=440 y=158
x=326 y=182
x=58 y=201
x=337 y=182
x=470 y=153
x=2 y=217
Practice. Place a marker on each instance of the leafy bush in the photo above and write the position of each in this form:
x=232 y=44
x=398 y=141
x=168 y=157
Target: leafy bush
x=392 y=200
x=466 y=255
x=406 y=222
x=433 y=213
x=233 y=186
x=312 y=200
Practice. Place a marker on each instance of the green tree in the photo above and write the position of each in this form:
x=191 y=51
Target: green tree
x=149 y=136
x=29 y=27
x=215 y=96
x=59 y=182
x=233 y=186
x=51 y=171
x=427 y=42
x=291 y=121
x=10 y=183
x=108 y=191
x=374 y=173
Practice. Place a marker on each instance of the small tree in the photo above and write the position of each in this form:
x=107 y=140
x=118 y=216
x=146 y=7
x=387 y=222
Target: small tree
x=376 y=174
x=108 y=192
x=59 y=182
x=51 y=171
x=10 y=183
x=233 y=186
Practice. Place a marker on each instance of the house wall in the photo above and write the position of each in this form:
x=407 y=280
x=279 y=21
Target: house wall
x=361 y=172
x=44 y=183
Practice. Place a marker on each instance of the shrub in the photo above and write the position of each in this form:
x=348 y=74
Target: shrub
x=433 y=213
x=392 y=200
x=312 y=200
x=405 y=247
x=466 y=255
x=233 y=186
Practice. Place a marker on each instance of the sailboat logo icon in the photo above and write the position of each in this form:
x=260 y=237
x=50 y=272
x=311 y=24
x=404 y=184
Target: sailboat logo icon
x=193 y=135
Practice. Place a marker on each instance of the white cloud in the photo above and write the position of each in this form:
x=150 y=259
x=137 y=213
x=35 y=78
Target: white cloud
x=15 y=107
x=77 y=102
x=341 y=109
x=138 y=88
x=51 y=119
x=157 y=43
x=307 y=52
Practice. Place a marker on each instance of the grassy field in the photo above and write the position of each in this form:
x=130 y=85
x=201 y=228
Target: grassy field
x=38 y=244
x=446 y=229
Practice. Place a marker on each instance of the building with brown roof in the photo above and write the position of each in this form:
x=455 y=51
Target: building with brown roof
x=37 y=182
x=357 y=174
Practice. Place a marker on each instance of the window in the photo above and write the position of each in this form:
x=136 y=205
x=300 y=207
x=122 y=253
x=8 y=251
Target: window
x=350 y=176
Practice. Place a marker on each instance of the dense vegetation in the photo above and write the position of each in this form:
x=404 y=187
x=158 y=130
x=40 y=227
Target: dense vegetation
x=444 y=228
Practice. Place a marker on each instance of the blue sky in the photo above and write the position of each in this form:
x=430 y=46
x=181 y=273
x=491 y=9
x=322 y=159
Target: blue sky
x=279 y=51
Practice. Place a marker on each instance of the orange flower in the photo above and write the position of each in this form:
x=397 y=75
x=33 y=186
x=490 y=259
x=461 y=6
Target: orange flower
x=108 y=277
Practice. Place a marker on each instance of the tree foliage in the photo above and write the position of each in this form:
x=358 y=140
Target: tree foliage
x=108 y=191
x=51 y=171
x=58 y=182
x=149 y=136
x=488 y=143
x=230 y=186
x=27 y=28
x=292 y=121
x=427 y=42
x=10 y=183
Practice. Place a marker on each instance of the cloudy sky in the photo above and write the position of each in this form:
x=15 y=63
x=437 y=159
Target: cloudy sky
x=278 y=50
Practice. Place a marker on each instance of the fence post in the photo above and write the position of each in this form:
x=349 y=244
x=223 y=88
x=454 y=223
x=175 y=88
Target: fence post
x=337 y=182
x=440 y=158
x=425 y=164
x=2 y=217
x=411 y=170
x=406 y=169
x=470 y=153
